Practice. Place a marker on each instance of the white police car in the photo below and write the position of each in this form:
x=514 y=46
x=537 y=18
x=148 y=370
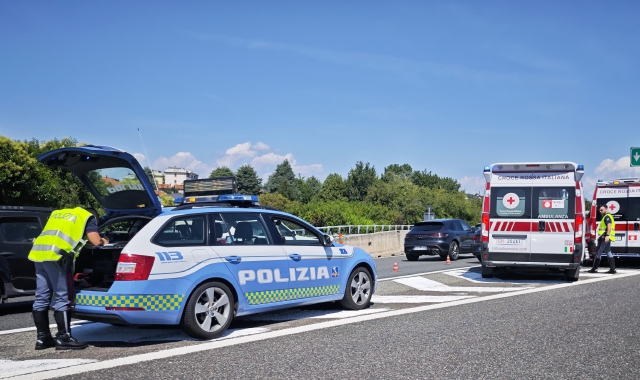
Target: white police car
x=200 y=265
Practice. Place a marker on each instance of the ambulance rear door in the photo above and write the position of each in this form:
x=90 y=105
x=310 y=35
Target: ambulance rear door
x=554 y=211
x=510 y=216
x=633 y=221
x=616 y=199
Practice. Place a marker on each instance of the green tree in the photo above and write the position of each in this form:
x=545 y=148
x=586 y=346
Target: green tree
x=359 y=180
x=314 y=185
x=283 y=172
x=286 y=190
x=248 y=180
x=303 y=189
x=433 y=181
x=166 y=199
x=275 y=200
x=333 y=189
x=221 y=171
x=400 y=171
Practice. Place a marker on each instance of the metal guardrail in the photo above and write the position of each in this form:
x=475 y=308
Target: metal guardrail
x=363 y=229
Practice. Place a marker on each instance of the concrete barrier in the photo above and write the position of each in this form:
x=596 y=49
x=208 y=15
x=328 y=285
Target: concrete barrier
x=379 y=244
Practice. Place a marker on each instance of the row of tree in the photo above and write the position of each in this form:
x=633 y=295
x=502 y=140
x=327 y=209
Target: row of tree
x=399 y=195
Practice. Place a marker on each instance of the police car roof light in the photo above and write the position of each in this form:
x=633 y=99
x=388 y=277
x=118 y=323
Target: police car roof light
x=237 y=197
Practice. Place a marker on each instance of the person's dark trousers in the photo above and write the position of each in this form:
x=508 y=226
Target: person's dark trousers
x=44 y=339
x=64 y=340
x=596 y=260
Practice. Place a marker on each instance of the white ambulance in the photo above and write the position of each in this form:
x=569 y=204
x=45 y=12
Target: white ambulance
x=622 y=198
x=533 y=217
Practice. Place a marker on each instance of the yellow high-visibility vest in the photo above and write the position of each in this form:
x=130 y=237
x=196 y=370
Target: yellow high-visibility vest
x=63 y=232
x=602 y=228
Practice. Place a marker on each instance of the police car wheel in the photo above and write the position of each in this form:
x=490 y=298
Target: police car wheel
x=454 y=250
x=357 y=294
x=209 y=311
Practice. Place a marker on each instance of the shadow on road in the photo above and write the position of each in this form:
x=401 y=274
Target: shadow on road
x=15 y=307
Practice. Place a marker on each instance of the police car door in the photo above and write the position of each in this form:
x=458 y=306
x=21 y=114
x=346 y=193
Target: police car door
x=315 y=269
x=259 y=266
x=554 y=205
x=510 y=216
x=617 y=200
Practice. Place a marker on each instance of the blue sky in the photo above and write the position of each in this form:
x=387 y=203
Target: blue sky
x=446 y=86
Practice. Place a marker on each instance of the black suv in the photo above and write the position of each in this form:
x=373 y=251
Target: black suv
x=19 y=226
x=439 y=237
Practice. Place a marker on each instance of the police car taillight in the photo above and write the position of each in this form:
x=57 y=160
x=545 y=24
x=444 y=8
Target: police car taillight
x=134 y=267
x=485 y=227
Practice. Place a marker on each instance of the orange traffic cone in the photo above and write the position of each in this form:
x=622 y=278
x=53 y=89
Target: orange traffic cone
x=340 y=238
x=395 y=267
x=448 y=260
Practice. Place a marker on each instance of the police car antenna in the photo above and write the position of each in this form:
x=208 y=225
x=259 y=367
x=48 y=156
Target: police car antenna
x=148 y=161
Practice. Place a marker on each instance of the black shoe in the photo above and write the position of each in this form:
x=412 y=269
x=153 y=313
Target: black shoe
x=41 y=320
x=612 y=271
x=64 y=340
x=593 y=270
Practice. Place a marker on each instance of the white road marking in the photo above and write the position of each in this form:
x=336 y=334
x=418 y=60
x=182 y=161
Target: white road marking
x=74 y=324
x=294 y=315
x=101 y=332
x=216 y=344
x=419 y=274
x=11 y=368
x=602 y=273
x=477 y=278
x=416 y=299
x=427 y=285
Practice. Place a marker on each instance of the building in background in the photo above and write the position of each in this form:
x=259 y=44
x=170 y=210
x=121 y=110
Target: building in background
x=175 y=177
x=158 y=176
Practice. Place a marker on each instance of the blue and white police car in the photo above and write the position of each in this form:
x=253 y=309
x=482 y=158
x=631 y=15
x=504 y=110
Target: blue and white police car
x=201 y=264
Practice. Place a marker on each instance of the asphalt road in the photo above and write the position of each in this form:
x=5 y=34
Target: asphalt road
x=587 y=331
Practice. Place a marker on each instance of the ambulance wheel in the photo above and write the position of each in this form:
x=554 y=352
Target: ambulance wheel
x=454 y=250
x=357 y=294
x=411 y=257
x=209 y=311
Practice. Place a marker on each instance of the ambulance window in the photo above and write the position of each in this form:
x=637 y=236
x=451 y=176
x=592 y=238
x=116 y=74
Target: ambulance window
x=554 y=202
x=620 y=208
x=633 y=213
x=511 y=202
x=184 y=231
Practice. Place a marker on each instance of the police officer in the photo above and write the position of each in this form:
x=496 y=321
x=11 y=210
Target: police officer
x=54 y=252
x=606 y=234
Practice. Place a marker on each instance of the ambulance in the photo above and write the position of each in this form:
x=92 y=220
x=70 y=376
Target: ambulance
x=533 y=217
x=622 y=198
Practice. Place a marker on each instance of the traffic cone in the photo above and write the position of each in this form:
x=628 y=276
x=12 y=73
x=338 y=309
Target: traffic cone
x=340 y=238
x=395 y=267
x=448 y=260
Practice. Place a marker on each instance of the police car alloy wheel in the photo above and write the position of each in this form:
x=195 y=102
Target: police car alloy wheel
x=357 y=294
x=209 y=311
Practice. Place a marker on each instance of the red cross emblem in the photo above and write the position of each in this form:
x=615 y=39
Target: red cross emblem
x=511 y=200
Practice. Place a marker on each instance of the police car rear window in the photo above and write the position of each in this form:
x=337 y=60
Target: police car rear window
x=185 y=231
x=429 y=226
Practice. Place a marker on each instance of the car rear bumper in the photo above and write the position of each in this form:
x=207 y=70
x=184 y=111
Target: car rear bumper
x=433 y=247
x=529 y=264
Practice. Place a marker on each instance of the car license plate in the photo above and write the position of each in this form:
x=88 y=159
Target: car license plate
x=510 y=241
x=420 y=248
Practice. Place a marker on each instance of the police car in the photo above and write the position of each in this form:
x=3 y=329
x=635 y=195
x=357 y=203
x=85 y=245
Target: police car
x=203 y=263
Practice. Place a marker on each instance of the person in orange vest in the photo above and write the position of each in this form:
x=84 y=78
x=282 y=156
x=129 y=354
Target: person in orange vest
x=53 y=253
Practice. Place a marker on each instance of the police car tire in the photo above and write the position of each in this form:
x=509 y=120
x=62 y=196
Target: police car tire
x=454 y=250
x=190 y=324
x=347 y=301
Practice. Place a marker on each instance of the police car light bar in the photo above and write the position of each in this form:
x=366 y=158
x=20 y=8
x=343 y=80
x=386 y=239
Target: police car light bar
x=237 y=197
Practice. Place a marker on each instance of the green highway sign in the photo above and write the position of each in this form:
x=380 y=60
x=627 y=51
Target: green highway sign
x=635 y=157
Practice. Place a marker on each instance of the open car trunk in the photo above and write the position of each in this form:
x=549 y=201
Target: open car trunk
x=95 y=268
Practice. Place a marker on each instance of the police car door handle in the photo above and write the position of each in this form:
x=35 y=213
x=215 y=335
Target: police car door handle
x=233 y=259
x=295 y=256
x=541 y=226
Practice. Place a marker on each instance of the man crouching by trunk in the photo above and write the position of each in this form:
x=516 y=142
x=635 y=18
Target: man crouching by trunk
x=54 y=253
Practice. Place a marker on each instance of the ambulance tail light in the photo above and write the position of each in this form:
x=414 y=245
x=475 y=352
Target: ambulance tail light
x=579 y=226
x=134 y=267
x=485 y=227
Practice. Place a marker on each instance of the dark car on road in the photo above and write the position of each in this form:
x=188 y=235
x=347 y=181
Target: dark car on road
x=443 y=237
x=19 y=226
x=476 y=242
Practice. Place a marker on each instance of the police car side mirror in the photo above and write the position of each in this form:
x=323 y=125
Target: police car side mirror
x=327 y=241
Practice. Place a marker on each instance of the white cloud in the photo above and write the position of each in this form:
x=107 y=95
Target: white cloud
x=473 y=185
x=610 y=169
x=240 y=151
x=184 y=160
x=141 y=158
